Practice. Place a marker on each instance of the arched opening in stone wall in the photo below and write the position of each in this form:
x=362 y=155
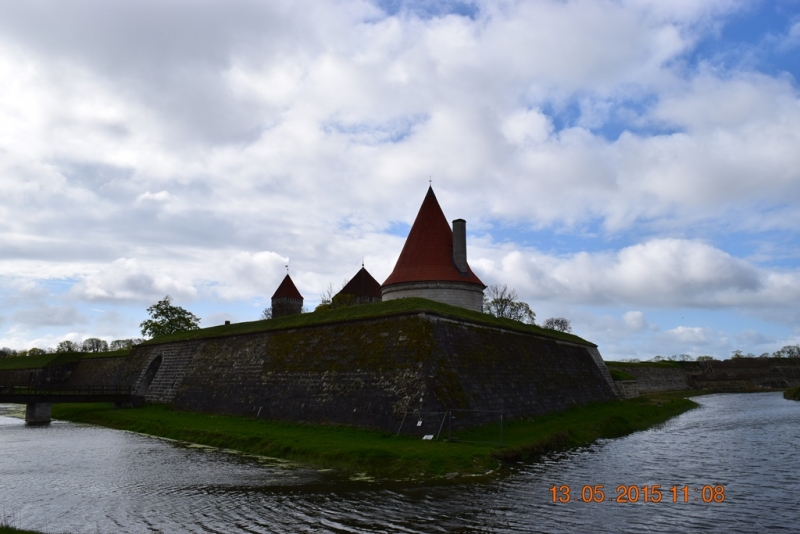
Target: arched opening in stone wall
x=148 y=376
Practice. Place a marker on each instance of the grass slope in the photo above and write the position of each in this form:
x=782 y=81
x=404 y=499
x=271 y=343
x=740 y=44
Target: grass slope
x=658 y=365
x=407 y=306
x=379 y=454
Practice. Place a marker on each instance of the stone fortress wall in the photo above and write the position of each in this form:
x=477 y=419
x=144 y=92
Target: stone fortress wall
x=374 y=372
x=736 y=374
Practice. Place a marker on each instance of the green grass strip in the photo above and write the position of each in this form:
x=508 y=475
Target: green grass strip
x=384 y=455
x=406 y=306
x=659 y=365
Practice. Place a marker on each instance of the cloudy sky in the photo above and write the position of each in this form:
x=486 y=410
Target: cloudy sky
x=631 y=165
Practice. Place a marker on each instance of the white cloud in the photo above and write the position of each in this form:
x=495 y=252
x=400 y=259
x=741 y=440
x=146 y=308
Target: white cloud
x=635 y=320
x=191 y=153
x=658 y=273
x=161 y=196
x=45 y=315
x=689 y=334
x=126 y=279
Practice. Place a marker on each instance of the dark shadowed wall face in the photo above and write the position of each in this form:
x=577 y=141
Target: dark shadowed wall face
x=373 y=372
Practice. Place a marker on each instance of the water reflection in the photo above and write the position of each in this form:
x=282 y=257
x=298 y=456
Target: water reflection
x=75 y=478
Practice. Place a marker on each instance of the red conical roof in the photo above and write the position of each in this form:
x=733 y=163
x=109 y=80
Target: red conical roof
x=428 y=252
x=362 y=285
x=287 y=290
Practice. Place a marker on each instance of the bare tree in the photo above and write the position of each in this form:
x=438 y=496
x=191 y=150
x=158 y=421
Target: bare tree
x=266 y=315
x=502 y=302
x=327 y=296
x=561 y=324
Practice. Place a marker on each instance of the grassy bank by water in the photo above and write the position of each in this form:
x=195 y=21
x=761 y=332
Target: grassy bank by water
x=352 y=451
x=792 y=393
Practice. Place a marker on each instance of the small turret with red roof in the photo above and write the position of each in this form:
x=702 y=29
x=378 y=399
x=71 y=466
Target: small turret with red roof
x=287 y=300
x=433 y=262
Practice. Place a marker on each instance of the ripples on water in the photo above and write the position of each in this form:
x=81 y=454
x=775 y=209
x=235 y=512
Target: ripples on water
x=83 y=479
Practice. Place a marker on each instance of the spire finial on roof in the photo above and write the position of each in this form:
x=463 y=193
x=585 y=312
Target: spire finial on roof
x=362 y=262
x=287 y=268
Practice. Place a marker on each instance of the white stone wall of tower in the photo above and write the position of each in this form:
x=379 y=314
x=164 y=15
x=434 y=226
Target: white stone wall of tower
x=469 y=296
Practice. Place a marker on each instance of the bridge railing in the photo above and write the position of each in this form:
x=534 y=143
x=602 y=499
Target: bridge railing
x=58 y=390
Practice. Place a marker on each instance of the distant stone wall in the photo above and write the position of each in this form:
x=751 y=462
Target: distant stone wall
x=628 y=388
x=19 y=377
x=658 y=378
x=94 y=371
x=745 y=373
x=373 y=372
x=740 y=373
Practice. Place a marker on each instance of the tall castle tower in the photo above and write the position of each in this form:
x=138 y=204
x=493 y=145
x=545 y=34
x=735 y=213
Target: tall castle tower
x=433 y=263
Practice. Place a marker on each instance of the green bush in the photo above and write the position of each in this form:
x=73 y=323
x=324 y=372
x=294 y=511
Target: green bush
x=792 y=393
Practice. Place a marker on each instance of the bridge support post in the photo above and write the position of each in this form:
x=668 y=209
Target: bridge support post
x=38 y=413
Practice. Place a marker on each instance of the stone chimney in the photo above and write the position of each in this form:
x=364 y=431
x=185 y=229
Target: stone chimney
x=460 y=245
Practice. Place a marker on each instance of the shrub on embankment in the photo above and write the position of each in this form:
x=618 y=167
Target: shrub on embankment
x=792 y=393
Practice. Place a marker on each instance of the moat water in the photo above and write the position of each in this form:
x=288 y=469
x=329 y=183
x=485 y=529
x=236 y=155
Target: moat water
x=83 y=479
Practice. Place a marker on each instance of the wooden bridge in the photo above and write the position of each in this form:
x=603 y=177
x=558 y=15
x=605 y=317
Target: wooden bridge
x=39 y=400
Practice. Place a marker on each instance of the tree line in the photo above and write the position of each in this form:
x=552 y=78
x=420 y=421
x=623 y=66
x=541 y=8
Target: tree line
x=788 y=351
x=165 y=319
x=92 y=344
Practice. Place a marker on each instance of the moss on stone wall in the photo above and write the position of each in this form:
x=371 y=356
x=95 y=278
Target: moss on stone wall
x=374 y=370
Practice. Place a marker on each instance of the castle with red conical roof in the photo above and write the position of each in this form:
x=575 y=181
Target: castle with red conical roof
x=432 y=265
x=433 y=262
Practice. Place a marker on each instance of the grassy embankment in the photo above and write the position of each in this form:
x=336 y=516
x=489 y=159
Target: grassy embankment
x=406 y=306
x=792 y=393
x=352 y=451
